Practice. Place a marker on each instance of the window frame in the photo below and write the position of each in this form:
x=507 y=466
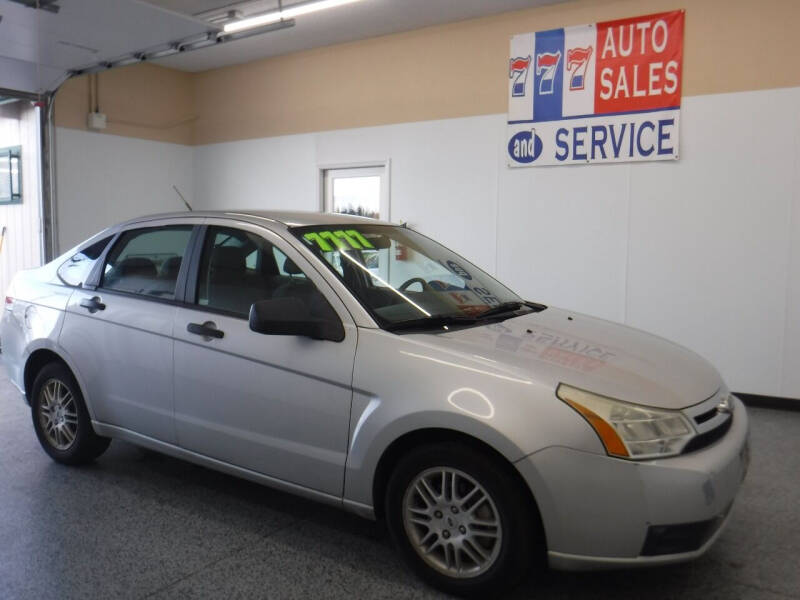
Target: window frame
x=186 y=286
x=15 y=197
x=329 y=172
x=179 y=290
x=194 y=269
x=313 y=273
x=96 y=276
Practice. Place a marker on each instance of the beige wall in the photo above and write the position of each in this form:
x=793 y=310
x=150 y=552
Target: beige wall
x=447 y=71
x=143 y=101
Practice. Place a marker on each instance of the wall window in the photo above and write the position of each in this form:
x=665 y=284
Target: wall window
x=11 y=175
x=361 y=191
x=147 y=261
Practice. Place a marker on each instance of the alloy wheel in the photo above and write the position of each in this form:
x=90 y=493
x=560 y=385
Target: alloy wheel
x=452 y=522
x=58 y=414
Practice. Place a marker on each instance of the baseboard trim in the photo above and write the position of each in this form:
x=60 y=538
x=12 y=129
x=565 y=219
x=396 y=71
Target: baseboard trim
x=778 y=402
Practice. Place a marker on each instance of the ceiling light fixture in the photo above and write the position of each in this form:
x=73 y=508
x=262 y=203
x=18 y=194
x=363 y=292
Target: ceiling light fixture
x=295 y=10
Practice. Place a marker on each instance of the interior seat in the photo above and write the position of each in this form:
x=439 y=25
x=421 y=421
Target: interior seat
x=171 y=268
x=135 y=274
x=231 y=285
x=136 y=266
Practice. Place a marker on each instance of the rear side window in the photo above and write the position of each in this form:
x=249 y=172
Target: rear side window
x=147 y=261
x=78 y=266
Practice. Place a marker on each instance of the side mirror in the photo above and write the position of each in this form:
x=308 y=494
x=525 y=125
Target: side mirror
x=291 y=316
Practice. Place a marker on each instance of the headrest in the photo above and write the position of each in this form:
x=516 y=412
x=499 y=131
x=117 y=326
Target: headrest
x=137 y=266
x=229 y=258
x=171 y=266
x=291 y=268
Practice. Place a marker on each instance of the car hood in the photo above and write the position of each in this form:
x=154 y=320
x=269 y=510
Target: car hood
x=556 y=346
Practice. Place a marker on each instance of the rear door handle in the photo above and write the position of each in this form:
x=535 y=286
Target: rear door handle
x=207 y=330
x=93 y=304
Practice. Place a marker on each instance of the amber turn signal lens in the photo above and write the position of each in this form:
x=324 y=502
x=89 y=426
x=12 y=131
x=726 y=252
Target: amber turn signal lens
x=606 y=433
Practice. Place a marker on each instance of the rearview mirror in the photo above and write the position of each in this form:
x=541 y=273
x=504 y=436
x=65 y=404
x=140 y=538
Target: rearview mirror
x=291 y=316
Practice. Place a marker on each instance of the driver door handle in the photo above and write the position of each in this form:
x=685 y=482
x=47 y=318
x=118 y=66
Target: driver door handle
x=207 y=330
x=93 y=304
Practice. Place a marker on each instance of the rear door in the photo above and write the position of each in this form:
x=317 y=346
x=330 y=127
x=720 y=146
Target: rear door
x=120 y=334
x=278 y=405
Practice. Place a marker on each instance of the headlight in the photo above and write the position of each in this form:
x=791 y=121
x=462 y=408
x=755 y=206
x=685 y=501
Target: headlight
x=628 y=430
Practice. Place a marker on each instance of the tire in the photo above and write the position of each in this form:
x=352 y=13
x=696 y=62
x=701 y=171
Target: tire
x=483 y=559
x=61 y=420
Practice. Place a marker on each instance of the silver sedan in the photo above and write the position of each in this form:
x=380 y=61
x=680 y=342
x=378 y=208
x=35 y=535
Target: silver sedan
x=365 y=365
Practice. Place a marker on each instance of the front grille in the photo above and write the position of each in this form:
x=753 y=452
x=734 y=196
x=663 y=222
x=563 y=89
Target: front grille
x=712 y=419
x=706 y=416
x=704 y=440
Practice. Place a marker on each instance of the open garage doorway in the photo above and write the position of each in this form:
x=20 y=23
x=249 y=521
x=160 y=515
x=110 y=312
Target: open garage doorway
x=21 y=245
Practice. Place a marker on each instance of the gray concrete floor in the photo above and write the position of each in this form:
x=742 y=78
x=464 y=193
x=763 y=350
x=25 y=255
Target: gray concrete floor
x=140 y=525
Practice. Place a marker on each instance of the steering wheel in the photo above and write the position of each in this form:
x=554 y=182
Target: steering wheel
x=425 y=285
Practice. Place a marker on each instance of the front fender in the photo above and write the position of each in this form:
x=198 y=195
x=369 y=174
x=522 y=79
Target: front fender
x=376 y=429
x=403 y=384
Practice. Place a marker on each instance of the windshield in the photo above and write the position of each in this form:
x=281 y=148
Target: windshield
x=403 y=277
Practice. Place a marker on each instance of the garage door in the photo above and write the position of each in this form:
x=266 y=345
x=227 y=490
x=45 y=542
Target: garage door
x=42 y=41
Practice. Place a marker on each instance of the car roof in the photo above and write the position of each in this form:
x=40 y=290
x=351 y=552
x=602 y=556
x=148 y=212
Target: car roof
x=285 y=218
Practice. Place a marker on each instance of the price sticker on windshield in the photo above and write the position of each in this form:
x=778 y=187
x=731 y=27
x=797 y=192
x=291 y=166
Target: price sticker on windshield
x=338 y=239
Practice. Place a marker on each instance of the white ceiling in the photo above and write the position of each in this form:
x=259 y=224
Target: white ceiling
x=367 y=18
x=38 y=48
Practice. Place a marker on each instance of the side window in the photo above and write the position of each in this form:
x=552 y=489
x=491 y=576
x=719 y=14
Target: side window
x=78 y=266
x=147 y=261
x=239 y=268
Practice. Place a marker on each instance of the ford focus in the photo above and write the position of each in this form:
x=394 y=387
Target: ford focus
x=364 y=365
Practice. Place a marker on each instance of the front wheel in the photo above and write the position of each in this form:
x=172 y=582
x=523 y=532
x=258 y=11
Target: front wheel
x=461 y=520
x=61 y=420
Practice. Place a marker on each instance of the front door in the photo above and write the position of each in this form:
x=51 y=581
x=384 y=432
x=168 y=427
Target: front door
x=278 y=405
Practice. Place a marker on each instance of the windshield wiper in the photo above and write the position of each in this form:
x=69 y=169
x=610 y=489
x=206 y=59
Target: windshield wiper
x=508 y=307
x=501 y=309
x=439 y=321
x=432 y=322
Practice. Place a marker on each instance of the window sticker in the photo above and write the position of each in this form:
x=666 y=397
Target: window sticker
x=468 y=302
x=458 y=270
x=474 y=286
x=340 y=239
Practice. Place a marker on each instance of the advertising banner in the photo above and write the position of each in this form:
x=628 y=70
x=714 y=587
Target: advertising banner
x=605 y=92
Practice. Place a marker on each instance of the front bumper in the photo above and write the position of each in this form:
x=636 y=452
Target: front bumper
x=597 y=511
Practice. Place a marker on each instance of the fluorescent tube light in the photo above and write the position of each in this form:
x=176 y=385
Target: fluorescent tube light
x=289 y=12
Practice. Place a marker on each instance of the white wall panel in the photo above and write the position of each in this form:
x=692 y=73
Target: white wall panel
x=704 y=251
x=710 y=236
x=443 y=176
x=268 y=173
x=791 y=355
x=105 y=179
x=444 y=183
x=563 y=235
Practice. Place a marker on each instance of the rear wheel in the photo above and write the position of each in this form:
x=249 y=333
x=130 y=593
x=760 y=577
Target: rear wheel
x=60 y=418
x=460 y=519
